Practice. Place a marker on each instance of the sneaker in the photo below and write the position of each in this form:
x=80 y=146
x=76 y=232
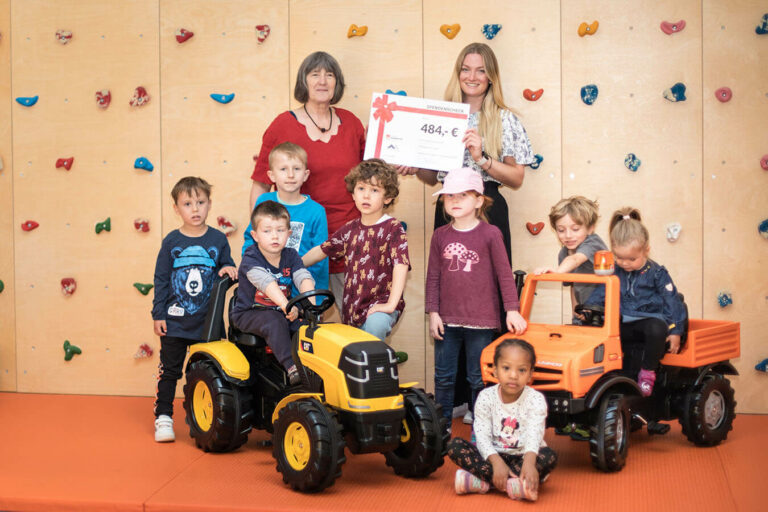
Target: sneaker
x=468 y=418
x=164 y=429
x=460 y=411
x=646 y=379
x=465 y=483
x=293 y=376
x=518 y=491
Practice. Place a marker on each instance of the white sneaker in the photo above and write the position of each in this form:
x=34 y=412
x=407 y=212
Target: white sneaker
x=468 y=418
x=164 y=429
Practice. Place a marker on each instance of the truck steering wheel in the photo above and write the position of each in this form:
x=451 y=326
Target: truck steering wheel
x=593 y=315
x=302 y=300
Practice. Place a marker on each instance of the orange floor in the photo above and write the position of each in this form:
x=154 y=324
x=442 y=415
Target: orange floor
x=82 y=453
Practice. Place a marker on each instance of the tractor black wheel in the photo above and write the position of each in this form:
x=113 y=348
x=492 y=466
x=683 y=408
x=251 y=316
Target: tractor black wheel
x=609 y=441
x=308 y=446
x=709 y=411
x=423 y=437
x=218 y=412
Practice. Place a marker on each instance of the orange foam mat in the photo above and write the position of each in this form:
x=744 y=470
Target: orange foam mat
x=62 y=452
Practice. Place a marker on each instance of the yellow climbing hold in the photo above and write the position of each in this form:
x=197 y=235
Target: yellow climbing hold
x=354 y=30
x=450 y=31
x=589 y=30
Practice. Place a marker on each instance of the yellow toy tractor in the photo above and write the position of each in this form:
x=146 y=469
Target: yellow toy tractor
x=350 y=396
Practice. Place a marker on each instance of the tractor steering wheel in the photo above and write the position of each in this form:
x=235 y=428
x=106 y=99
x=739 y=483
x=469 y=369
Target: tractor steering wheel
x=593 y=315
x=302 y=300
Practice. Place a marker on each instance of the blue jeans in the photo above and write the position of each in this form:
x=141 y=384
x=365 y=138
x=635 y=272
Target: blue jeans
x=446 y=363
x=380 y=324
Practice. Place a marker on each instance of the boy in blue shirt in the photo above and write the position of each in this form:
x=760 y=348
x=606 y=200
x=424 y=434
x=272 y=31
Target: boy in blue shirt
x=189 y=259
x=309 y=226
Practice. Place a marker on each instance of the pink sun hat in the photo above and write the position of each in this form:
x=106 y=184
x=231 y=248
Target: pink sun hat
x=461 y=180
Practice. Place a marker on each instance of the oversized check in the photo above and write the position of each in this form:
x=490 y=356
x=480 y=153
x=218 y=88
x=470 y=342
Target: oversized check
x=416 y=132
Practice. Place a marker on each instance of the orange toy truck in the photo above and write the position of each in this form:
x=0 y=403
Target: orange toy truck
x=579 y=371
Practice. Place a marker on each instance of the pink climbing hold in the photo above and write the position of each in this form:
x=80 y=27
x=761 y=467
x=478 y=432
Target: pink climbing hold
x=764 y=162
x=103 y=98
x=141 y=225
x=262 y=33
x=140 y=97
x=672 y=27
x=66 y=163
x=225 y=225
x=723 y=94
x=183 y=35
x=68 y=286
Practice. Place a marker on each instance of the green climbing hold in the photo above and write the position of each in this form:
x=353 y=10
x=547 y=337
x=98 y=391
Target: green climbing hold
x=104 y=226
x=401 y=356
x=70 y=350
x=2 y=286
x=143 y=288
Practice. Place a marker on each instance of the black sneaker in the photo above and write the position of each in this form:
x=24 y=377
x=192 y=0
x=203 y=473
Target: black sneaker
x=293 y=376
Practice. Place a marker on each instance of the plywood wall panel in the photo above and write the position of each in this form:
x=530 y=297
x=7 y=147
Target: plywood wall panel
x=735 y=187
x=113 y=47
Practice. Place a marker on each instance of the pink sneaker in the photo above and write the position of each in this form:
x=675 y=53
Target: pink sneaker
x=519 y=491
x=465 y=482
x=645 y=379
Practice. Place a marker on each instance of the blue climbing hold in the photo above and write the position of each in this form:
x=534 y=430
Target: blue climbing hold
x=632 y=162
x=762 y=366
x=589 y=94
x=724 y=299
x=490 y=31
x=27 y=101
x=398 y=93
x=762 y=29
x=143 y=163
x=405 y=226
x=223 y=98
x=537 y=163
x=676 y=92
x=762 y=228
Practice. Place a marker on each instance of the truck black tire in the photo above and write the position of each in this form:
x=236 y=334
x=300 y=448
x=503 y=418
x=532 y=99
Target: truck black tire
x=423 y=439
x=609 y=442
x=308 y=445
x=709 y=411
x=218 y=412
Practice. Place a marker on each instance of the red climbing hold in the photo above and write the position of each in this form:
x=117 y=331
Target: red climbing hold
x=68 y=286
x=532 y=95
x=63 y=36
x=29 y=225
x=226 y=225
x=183 y=35
x=723 y=94
x=672 y=27
x=145 y=351
x=764 y=162
x=103 y=98
x=140 y=97
x=65 y=163
x=141 y=225
x=262 y=33
x=534 y=229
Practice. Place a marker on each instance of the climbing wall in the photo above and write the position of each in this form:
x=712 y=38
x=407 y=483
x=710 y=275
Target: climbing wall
x=735 y=186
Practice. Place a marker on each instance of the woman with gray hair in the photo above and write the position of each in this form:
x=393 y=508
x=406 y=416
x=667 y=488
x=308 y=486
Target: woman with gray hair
x=333 y=138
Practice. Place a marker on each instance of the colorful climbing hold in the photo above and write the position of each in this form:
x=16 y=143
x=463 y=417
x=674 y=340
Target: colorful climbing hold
x=490 y=31
x=63 y=36
x=70 y=350
x=632 y=162
x=450 y=31
x=588 y=30
x=140 y=97
x=762 y=366
x=398 y=93
x=762 y=28
x=675 y=93
x=535 y=164
x=354 y=30
x=534 y=229
x=183 y=35
x=103 y=98
x=105 y=225
x=532 y=95
x=225 y=225
x=673 y=231
x=764 y=162
x=27 y=101
x=143 y=288
x=223 y=98
x=66 y=163
x=68 y=286
x=141 y=225
x=672 y=27
x=144 y=352
x=762 y=228
x=723 y=94
x=724 y=299
x=262 y=33
x=589 y=94
x=143 y=163
x=29 y=225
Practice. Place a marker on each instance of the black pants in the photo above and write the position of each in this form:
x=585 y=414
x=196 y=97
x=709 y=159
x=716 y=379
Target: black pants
x=643 y=343
x=273 y=327
x=498 y=215
x=465 y=455
x=173 y=350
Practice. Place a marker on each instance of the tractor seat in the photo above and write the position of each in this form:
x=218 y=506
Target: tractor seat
x=239 y=337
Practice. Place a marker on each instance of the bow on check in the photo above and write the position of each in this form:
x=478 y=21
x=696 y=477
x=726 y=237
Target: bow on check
x=383 y=110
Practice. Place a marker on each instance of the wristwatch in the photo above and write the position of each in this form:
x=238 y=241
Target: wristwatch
x=483 y=160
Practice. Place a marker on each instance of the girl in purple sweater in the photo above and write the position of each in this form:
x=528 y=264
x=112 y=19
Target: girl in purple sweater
x=467 y=266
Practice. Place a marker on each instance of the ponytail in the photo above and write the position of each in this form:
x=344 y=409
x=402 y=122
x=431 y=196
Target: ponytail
x=626 y=227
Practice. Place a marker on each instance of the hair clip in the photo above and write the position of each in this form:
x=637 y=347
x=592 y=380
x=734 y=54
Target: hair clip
x=626 y=217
